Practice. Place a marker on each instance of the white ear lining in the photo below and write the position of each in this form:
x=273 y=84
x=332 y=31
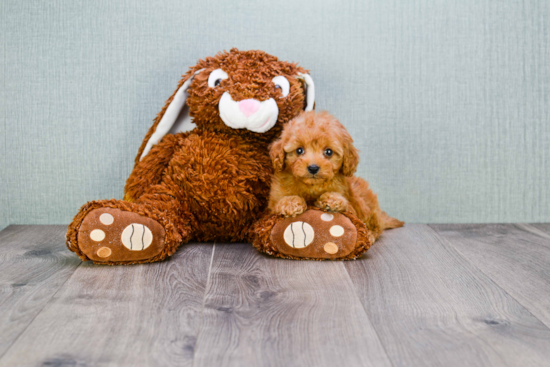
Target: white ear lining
x=310 y=91
x=175 y=119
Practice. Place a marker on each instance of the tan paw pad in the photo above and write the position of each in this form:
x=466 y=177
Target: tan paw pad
x=104 y=252
x=330 y=248
x=337 y=231
x=106 y=219
x=97 y=235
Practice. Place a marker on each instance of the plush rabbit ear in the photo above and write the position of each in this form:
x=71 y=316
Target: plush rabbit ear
x=175 y=119
x=310 y=91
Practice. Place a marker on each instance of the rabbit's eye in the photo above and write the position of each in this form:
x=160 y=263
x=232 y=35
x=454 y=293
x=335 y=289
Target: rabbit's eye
x=215 y=78
x=282 y=83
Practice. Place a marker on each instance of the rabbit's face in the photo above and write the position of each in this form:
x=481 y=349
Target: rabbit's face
x=248 y=91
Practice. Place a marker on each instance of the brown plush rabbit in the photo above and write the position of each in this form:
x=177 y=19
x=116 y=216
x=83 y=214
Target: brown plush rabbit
x=203 y=170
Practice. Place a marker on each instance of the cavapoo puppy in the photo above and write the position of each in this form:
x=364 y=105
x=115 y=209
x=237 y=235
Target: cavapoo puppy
x=314 y=162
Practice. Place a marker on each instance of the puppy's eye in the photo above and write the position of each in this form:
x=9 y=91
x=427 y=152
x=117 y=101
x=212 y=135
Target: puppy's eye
x=328 y=152
x=300 y=151
x=215 y=78
x=282 y=83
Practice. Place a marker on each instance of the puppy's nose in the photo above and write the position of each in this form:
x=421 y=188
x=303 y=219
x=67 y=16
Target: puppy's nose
x=249 y=106
x=313 y=169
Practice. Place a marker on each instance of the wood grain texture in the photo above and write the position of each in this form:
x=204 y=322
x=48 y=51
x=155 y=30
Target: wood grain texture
x=516 y=257
x=432 y=307
x=274 y=312
x=121 y=315
x=34 y=264
x=471 y=295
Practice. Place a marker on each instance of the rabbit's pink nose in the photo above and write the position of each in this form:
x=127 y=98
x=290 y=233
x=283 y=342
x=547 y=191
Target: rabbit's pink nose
x=249 y=106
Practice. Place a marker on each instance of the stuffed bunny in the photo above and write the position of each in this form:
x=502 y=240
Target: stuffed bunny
x=203 y=170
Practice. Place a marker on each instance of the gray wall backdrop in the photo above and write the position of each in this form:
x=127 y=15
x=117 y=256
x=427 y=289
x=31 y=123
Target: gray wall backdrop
x=448 y=101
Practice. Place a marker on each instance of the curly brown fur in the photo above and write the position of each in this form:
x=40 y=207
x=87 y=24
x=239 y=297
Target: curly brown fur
x=320 y=140
x=260 y=237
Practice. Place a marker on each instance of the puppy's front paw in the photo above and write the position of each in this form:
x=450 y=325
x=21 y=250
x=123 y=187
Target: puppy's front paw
x=291 y=206
x=332 y=201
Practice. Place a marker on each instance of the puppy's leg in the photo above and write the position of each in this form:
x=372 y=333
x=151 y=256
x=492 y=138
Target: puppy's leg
x=290 y=206
x=368 y=208
x=332 y=201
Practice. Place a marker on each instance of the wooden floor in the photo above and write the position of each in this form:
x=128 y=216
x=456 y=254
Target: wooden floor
x=424 y=295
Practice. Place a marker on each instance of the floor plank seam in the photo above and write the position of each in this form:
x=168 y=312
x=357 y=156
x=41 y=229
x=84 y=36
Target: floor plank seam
x=486 y=275
x=39 y=312
x=533 y=230
x=367 y=315
x=204 y=300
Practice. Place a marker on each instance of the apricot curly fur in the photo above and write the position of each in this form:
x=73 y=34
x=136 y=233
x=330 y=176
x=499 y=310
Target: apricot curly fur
x=260 y=236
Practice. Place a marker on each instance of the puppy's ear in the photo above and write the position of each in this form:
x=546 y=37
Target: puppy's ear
x=277 y=155
x=351 y=157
